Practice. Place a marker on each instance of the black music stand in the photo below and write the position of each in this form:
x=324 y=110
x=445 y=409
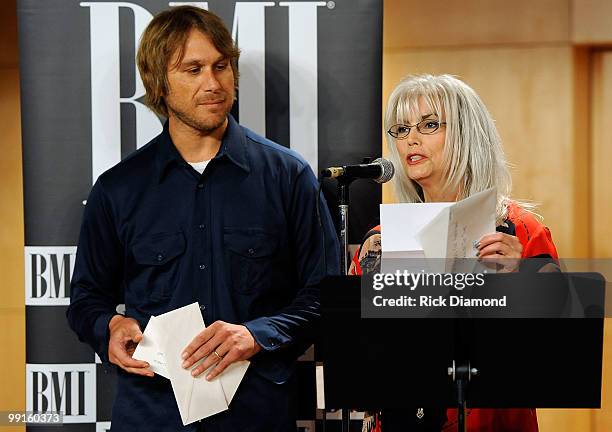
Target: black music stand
x=404 y=362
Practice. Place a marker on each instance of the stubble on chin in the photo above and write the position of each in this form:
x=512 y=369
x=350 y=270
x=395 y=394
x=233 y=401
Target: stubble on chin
x=203 y=124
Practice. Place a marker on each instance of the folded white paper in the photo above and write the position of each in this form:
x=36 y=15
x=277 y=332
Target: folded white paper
x=165 y=338
x=149 y=351
x=436 y=230
x=453 y=233
x=400 y=225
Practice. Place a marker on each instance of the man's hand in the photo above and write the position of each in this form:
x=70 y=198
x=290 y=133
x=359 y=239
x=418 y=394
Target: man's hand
x=500 y=249
x=222 y=344
x=124 y=336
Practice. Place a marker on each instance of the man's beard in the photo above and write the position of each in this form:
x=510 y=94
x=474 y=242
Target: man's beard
x=205 y=125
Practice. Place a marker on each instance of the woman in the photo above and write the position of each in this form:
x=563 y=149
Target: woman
x=445 y=147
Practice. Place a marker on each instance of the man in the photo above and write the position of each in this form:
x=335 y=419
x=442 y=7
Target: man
x=208 y=211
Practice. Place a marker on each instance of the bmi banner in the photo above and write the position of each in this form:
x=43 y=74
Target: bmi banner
x=310 y=79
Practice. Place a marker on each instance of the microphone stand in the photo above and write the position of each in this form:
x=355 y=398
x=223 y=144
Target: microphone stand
x=343 y=208
x=344 y=182
x=461 y=373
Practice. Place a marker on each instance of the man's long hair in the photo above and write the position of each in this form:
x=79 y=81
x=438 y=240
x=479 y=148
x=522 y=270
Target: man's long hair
x=166 y=35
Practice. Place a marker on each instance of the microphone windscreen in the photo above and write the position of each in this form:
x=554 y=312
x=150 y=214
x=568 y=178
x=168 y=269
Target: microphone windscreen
x=387 y=170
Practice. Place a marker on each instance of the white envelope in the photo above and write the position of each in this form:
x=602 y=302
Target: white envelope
x=165 y=338
x=148 y=350
x=197 y=398
x=231 y=378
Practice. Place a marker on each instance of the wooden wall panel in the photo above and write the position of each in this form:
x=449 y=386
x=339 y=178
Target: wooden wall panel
x=601 y=180
x=12 y=310
x=529 y=92
x=590 y=21
x=539 y=97
x=565 y=420
x=601 y=155
x=414 y=23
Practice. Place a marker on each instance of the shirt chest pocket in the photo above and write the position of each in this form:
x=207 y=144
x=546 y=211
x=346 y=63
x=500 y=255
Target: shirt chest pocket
x=250 y=255
x=157 y=263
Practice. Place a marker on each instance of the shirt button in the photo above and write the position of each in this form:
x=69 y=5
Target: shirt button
x=201 y=226
x=202 y=307
x=202 y=266
x=200 y=185
x=159 y=257
x=251 y=251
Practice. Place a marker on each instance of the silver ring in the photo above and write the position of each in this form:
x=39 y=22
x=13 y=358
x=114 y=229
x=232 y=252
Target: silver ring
x=217 y=354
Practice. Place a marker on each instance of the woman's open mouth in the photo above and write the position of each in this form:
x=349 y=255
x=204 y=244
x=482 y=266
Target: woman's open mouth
x=415 y=159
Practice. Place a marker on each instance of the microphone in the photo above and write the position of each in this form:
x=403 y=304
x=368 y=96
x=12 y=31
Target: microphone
x=380 y=170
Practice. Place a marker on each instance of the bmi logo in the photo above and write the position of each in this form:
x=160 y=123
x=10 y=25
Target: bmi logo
x=66 y=388
x=248 y=30
x=48 y=270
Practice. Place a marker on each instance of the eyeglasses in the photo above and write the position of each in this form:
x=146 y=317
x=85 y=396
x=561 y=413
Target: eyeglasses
x=426 y=127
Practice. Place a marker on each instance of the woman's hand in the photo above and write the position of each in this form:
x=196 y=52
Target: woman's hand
x=499 y=249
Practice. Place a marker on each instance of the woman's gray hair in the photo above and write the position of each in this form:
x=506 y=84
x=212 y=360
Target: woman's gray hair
x=473 y=159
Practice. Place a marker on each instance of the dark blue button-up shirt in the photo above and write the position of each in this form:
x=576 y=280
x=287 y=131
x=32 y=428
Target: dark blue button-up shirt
x=243 y=239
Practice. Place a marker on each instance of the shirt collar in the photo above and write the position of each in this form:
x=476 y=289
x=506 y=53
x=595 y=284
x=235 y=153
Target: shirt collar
x=233 y=147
